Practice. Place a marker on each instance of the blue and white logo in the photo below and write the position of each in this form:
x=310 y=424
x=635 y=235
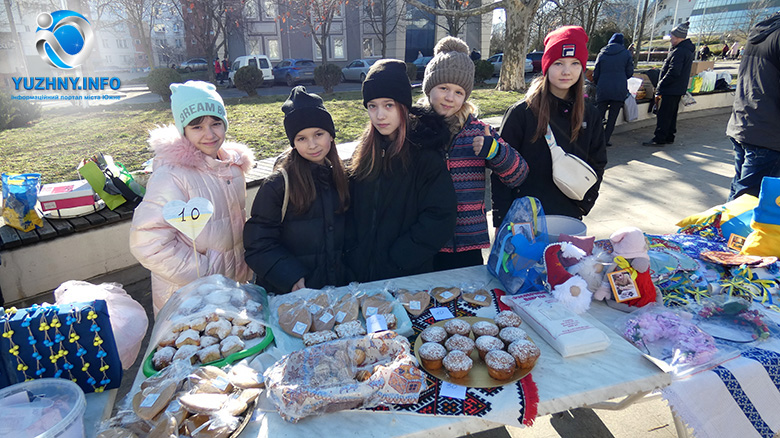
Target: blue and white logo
x=63 y=38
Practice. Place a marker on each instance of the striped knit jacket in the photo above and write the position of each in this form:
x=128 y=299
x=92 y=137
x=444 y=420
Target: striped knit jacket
x=468 y=176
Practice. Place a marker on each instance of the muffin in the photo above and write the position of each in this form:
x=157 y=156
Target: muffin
x=458 y=342
x=457 y=364
x=525 y=353
x=484 y=328
x=434 y=333
x=457 y=327
x=488 y=343
x=507 y=318
x=431 y=355
x=511 y=334
x=501 y=365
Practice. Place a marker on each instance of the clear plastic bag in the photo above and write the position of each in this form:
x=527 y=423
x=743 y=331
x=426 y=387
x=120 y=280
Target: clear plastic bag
x=128 y=316
x=518 y=248
x=345 y=374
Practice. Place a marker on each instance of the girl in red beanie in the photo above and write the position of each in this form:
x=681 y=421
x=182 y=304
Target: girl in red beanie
x=554 y=99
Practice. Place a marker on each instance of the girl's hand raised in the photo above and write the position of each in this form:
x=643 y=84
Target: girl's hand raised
x=480 y=141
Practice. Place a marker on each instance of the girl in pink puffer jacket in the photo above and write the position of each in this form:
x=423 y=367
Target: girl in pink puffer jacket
x=192 y=160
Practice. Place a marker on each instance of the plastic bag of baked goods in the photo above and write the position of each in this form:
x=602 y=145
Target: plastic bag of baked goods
x=350 y=373
x=211 y=320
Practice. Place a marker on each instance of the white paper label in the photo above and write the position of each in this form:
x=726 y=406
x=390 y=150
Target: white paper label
x=221 y=383
x=446 y=295
x=371 y=311
x=440 y=313
x=452 y=390
x=300 y=328
x=326 y=317
x=480 y=297
x=340 y=317
x=314 y=308
x=149 y=400
x=376 y=323
x=414 y=305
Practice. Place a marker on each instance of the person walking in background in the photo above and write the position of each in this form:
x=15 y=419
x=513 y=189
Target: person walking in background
x=225 y=68
x=672 y=85
x=193 y=160
x=554 y=102
x=217 y=70
x=725 y=51
x=754 y=126
x=734 y=50
x=613 y=68
x=448 y=81
x=403 y=202
x=299 y=243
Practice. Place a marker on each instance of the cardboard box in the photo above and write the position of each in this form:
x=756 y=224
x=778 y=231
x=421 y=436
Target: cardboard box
x=700 y=66
x=66 y=195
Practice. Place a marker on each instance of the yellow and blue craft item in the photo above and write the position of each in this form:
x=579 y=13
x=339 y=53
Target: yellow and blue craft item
x=731 y=220
x=764 y=240
x=519 y=246
x=69 y=341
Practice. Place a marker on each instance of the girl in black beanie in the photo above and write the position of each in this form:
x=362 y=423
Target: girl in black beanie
x=403 y=200
x=295 y=236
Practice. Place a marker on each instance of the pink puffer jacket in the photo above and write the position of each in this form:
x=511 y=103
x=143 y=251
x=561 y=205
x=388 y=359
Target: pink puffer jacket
x=182 y=172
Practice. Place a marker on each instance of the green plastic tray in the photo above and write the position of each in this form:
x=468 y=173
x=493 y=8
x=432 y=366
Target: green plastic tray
x=149 y=370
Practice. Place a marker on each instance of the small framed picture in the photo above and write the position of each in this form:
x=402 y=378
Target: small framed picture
x=524 y=228
x=736 y=242
x=624 y=287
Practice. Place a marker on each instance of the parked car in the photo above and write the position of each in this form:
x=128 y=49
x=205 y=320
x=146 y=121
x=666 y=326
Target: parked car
x=194 y=64
x=421 y=63
x=260 y=61
x=294 y=71
x=357 y=70
x=536 y=60
x=497 y=61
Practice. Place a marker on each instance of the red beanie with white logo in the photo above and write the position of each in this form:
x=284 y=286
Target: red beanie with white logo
x=565 y=42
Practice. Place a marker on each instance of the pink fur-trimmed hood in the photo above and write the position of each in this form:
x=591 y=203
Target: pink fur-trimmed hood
x=170 y=147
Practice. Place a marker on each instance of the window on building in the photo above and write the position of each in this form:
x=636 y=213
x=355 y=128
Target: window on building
x=108 y=59
x=176 y=27
x=368 y=47
x=270 y=9
x=178 y=43
x=274 y=50
x=255 y=47
x=250 y=9
x=338 y=48
x=105 y=43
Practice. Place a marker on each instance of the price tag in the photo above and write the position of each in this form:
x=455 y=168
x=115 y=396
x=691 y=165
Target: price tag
x=452 y=390
x=221 y=383
x=440 y=313
x=299 y=328
x=326 y=317
x=446 y=295
x=371 y=311
x=480 y=298
x=189 y=217
x=314 y=308
x=340 y=316
x=149 y=400
x=414 y=305
x=376 y=323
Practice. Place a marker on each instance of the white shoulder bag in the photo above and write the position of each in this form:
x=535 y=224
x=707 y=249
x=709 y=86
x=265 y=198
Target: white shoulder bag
x=286 y=193
x=573 y=176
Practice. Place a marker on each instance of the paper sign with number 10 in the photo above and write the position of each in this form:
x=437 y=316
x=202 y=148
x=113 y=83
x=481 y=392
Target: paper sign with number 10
x=189 y=217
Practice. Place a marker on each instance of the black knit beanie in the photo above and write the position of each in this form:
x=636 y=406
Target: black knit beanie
x=304 y=110
x=387 y=78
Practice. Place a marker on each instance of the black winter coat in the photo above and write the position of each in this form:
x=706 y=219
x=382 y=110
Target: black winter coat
x=518 y=127
x=676 y=72
x=755 y=117
x=308 y=245
x=613 y=68
x=399 y=220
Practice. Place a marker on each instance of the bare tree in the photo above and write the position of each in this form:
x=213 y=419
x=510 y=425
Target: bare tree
x=316 y=16
x=207 y=20
x=453 y=25
x=139 y=16
x=518 y=19
x=756 y=11
x=383 y=16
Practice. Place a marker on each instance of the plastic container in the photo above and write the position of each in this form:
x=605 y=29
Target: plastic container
x=43 y=408
x=557 y=225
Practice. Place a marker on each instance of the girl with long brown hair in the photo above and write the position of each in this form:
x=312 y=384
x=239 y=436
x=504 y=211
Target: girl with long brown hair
x=295 y=236
x=403 y=201
x=554 y=100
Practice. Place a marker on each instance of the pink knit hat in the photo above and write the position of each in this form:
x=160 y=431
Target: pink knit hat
x=630 y=243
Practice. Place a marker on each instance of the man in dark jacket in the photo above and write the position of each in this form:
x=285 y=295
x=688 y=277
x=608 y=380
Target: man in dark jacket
x=673 y=84
x=754 y=126
x=613 y=68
